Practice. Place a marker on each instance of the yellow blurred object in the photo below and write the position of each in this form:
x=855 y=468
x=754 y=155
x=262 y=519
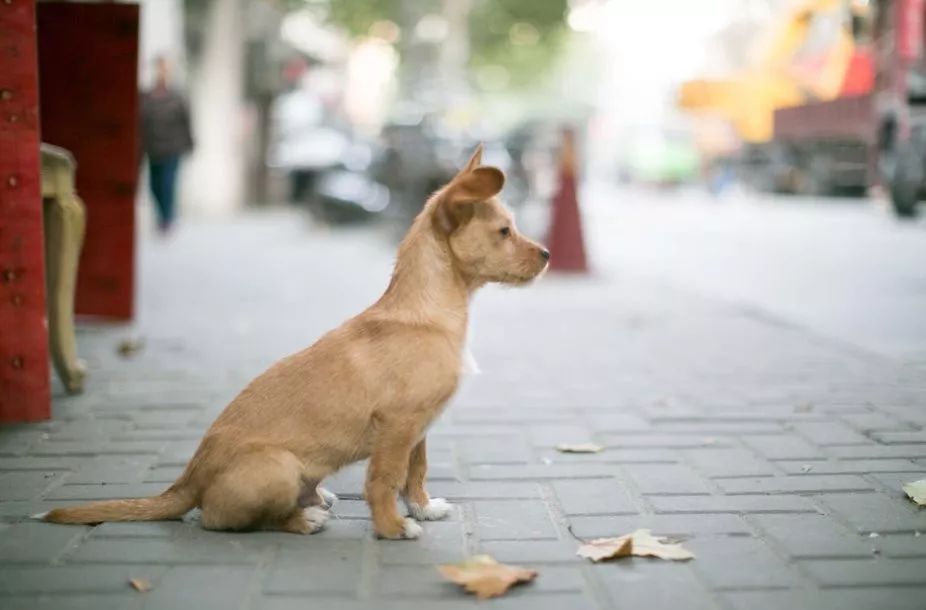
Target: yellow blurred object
x=807 y=59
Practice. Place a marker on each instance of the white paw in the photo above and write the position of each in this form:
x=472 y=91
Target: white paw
x=39 y=516
x=328 y=496
x=437 y=508
x=317 y=517
x=411 y=530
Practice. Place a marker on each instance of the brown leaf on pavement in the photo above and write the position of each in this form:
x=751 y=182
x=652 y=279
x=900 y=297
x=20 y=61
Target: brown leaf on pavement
x=486 y=577
x=640 y=543
x=916 y=491
x=140 y=584
x=579 y=448
x=606 y=548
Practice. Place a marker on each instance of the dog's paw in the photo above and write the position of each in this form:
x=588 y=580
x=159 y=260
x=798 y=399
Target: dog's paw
x=328 y=497
x=411 y=530
x=317 y=518
x=436 y=508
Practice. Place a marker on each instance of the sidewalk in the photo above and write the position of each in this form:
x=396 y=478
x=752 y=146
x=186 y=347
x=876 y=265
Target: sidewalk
x=778 y=455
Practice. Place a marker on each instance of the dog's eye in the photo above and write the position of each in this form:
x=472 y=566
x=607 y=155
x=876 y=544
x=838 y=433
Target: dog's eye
x=505 y=231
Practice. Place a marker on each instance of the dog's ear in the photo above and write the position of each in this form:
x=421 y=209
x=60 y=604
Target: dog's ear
x=463 y=193
x=474 y=161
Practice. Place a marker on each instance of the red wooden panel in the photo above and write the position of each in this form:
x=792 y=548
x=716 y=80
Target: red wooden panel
x=88 y=62
x=24 y=374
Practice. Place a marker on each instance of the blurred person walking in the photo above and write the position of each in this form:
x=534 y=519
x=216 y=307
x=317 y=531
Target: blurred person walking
x=166 y=137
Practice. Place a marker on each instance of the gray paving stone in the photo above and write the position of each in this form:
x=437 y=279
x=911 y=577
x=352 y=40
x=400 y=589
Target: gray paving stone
x=155 y=529
x=666 y=479
x=813 y=536
x=876 y=571
x=512 y=520
x=611 y=456
x=663 y=441
x=849 y=466
x=731 y=504
x=494 y=450
x=652 y=585
x=593 y=497
x=483 y=490
x=901 y=545
x=830 y=433
x=899 y=438
x=35 y=542
x=70 y=601
x=27 y=485
x=834 y=599
x=617 y=422
x=530 y=551
x=105 y=492
x=202 y=587
x=878 y=452
x=666 y=525
x=30 y=462
x=441 y=542
x=739 y=563
x=111 y=470
x=802 y=483
x=75 y=578
x=728 y=463
x=783 y=447
x=870 y=422
x=875 y=512
x=224 y=549
x=313 y=570
x=541 y=471
x=550 y=435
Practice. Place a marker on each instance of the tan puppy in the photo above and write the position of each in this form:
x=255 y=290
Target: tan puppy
x=369 y=388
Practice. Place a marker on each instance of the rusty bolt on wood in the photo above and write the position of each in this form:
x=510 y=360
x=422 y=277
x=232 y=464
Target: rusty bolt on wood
x=12 y=181
x=6 y=95
x=17 y=300
x=17 y=362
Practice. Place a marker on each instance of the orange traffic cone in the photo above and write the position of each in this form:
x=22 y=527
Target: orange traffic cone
x=567 y=248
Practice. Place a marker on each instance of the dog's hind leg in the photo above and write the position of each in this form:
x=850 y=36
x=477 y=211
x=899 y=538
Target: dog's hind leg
x=259 y=487
x=420 y=505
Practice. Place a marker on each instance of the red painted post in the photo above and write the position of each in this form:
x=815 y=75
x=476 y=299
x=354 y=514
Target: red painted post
x=24 y=373
x=566 y=244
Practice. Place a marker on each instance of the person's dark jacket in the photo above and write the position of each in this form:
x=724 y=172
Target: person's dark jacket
x=165 y=125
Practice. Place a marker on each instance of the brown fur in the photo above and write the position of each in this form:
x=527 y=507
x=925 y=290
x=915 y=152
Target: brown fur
x=369 y=388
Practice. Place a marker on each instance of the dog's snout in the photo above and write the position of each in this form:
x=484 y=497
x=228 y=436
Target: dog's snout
x=545 y=254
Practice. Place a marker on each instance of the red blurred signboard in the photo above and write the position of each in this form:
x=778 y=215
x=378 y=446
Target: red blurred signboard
x=24 y=371
x=88 y=63
x=910 y=32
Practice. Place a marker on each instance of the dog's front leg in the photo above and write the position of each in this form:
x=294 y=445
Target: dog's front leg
x=420 y=504
x=386 y=474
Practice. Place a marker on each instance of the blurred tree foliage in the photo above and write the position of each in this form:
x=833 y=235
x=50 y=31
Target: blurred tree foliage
x=522 y=37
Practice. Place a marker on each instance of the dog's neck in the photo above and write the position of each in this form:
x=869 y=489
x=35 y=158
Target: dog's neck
x=426 y=286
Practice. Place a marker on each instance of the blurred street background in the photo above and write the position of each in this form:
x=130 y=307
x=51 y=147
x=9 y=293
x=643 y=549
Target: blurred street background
x=739 y=318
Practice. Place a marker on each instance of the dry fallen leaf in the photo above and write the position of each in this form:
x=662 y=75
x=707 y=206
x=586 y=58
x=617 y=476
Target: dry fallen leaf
x=917 y=491
x=640 y=543
x=579 y=448
x=606 y=548
x=130 y=346
x=806 y=407
x=486 y=577
x=140 y=584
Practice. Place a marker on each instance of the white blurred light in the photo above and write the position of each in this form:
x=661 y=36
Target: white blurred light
x=432 y=28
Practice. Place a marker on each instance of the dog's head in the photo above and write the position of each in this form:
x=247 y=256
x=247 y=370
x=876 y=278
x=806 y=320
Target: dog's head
x=483 y=239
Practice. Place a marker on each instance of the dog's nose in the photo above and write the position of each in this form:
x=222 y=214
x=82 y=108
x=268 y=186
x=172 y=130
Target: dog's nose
x=545 y=254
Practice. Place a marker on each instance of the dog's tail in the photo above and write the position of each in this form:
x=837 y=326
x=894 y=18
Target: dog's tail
x=172 y=504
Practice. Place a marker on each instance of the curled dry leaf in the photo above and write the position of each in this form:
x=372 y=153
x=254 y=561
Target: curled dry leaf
x=486 y=577
x=917 y=491
x=130 y=346
x=606 y=548
x=579 y=448
x=140 y=584
x=640 y=543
